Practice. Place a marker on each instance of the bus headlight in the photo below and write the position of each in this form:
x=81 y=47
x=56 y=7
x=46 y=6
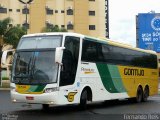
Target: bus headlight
x=49 y=90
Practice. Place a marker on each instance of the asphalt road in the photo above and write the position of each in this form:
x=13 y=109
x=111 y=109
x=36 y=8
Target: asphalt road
x=121 y=110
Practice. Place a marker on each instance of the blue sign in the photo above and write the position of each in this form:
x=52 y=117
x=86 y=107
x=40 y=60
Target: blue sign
x=149 y=31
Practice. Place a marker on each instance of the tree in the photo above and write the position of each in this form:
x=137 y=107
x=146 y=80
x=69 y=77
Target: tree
x=10 y=34
x=14 y=34
x=4 y=27
x=53 y=29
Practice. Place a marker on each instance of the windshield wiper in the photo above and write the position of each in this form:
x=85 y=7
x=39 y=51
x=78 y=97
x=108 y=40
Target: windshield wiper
x=28 y=67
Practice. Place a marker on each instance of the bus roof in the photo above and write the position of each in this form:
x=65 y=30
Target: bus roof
x=101 y=40
x=55 y=33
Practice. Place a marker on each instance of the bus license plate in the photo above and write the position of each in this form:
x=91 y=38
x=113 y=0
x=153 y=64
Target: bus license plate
x=29 y=98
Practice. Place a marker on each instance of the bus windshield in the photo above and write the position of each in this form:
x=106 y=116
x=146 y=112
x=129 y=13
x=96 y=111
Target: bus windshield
x=34 y=67
x=40 y=42
x=34 y=60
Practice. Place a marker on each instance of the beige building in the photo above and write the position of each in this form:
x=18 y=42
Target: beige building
x=81 y=16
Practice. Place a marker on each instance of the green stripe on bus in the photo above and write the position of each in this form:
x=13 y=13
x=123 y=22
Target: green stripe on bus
x=40 y=88
x=116 y=78
x=106 y=78
x=33 y=88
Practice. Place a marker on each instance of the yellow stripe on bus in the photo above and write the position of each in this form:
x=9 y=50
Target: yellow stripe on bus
x=132 y=77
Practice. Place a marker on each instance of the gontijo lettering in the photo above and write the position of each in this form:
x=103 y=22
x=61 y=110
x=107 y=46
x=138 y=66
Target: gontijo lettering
x=133 y=72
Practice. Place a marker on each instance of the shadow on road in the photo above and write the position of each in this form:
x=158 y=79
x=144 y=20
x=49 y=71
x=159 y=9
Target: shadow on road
x=96 y=111
x=73 y=109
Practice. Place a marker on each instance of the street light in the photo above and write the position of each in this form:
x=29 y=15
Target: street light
x=26 y=2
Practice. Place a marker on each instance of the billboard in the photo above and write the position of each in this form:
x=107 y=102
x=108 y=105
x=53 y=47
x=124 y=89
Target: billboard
x=148 y=28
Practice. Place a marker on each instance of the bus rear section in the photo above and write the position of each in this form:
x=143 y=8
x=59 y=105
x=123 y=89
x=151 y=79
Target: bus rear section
x=119 y=71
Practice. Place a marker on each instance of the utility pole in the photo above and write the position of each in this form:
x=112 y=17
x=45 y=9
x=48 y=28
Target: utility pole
x=26 y=2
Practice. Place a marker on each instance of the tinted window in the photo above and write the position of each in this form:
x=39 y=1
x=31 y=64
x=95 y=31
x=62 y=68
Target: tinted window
x=36 y=67
x=89 y=51
x=98 y=52
x=70 y=61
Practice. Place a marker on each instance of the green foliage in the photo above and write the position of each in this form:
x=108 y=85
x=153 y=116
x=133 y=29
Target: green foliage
x=53 y=29
x=4 y=26
x=5 y=78
x=13 y=35
x=10 y=34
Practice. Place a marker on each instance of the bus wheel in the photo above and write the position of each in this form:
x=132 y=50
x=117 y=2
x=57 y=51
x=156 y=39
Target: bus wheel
x=83 y=100
x=145 y=94
x=139 y=95
x=45 y=106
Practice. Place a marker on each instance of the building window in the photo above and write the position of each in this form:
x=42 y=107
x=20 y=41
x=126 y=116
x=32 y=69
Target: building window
x=70 y=27
x=92 y=27
x=10 y=10
x=49 y=11
x=25 y=11
x=26 y=25
x=62 y=11
x=69 y=12
x=3 y=10
x=18 y=10
x=49 y=25
x=91 y=13
x=56 y=11
x=10 y=25
x=62 y=26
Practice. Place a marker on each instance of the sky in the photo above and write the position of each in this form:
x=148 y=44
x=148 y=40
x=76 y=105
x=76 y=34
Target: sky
x=122 y=18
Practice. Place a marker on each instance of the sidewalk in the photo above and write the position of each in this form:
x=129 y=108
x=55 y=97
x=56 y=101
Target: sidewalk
x=4 y=88
x=5 y=85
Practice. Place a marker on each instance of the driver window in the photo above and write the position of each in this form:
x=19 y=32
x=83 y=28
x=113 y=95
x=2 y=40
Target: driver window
x=70 y=61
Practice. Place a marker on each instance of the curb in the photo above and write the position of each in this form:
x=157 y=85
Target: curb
x=5 y=81
x=4 y=88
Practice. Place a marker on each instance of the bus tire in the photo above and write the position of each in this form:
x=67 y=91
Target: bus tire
x=139 y=95
x=145 y=94
x=45 y=106
x=83 y=100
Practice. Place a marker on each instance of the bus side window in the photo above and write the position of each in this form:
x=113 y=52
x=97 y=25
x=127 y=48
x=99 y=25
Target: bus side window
x=70 y=61
x=89 y=51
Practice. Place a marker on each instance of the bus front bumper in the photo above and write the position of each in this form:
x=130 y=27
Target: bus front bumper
x=44 y=98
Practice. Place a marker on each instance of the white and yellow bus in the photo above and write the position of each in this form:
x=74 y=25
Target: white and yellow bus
x=70 y=68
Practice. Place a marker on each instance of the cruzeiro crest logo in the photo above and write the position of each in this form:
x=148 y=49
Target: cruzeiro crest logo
x=70 y=96
x=155 y=23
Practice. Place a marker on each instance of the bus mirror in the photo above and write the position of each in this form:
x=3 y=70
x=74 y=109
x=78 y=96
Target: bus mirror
x=58 y=55
x=4 y=57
